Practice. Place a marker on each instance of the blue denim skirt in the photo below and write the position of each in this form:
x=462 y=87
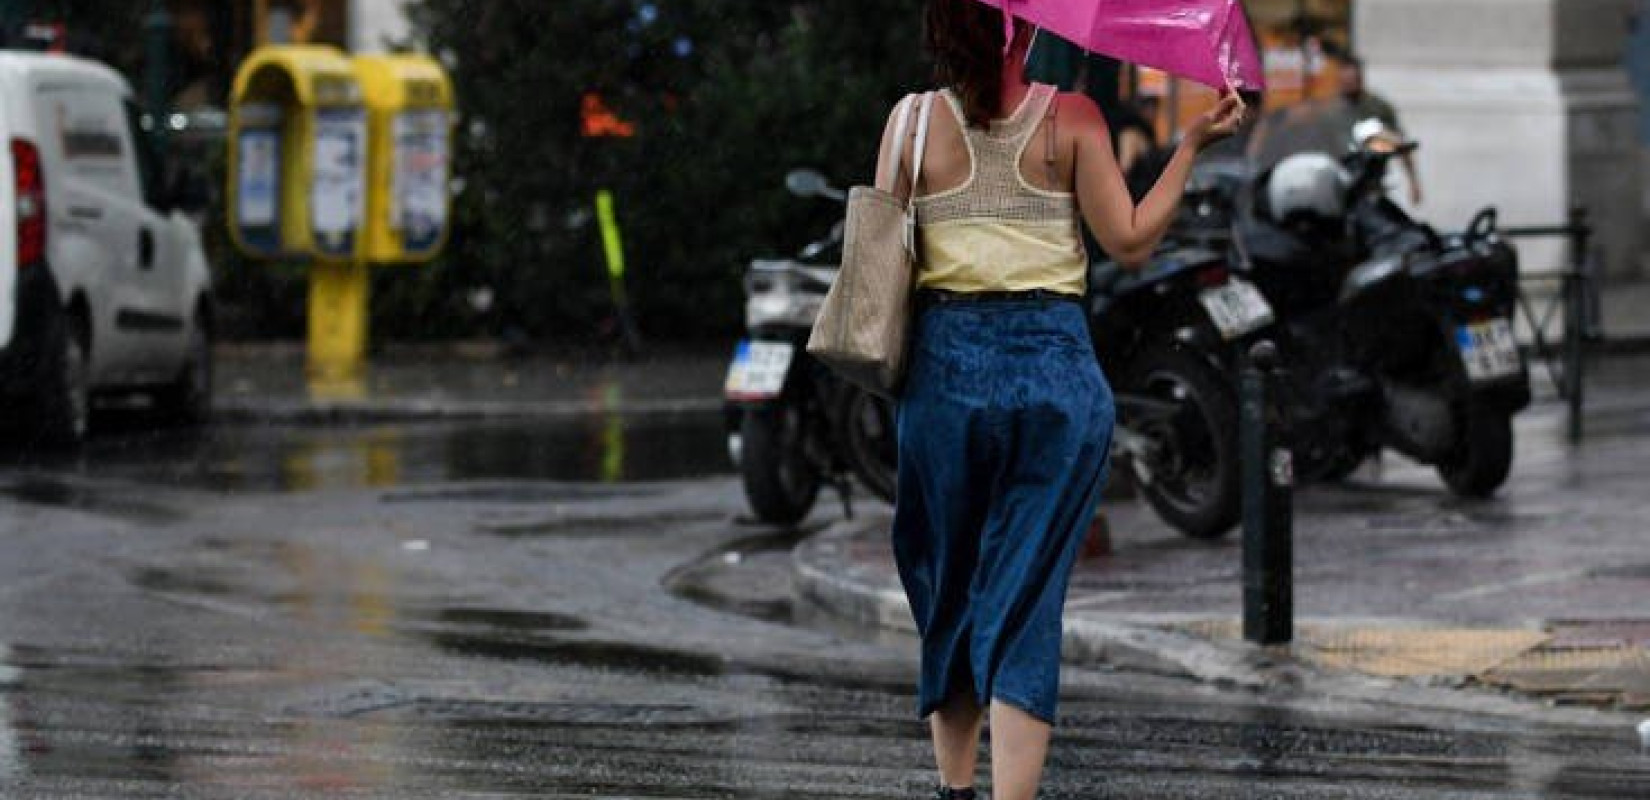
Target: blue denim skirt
x=1004 y=431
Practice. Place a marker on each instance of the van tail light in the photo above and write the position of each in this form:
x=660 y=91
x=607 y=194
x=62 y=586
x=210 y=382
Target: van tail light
x=31 y=202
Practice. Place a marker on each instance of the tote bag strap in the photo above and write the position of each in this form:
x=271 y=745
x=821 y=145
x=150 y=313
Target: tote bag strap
x=917 y=150
x=921 y=145
x=902 y=125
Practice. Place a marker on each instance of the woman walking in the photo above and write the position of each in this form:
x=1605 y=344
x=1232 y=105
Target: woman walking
x=1005 y=421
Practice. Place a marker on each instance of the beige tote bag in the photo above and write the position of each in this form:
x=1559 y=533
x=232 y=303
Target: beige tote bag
x=863 y=325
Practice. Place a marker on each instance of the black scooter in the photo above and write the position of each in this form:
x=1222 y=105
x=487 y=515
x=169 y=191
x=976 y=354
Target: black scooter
x=1396 y=337
x=1169 y=337
x=793 y=426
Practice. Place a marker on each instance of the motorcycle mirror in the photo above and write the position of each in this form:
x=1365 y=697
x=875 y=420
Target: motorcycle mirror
x=809 y=183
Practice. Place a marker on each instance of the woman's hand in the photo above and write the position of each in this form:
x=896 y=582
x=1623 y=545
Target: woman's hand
x=1219 y=122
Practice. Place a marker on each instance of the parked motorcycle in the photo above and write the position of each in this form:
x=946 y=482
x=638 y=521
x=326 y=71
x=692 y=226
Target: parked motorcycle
x=1396 y=337
x=793 y=426
x=1170 y=337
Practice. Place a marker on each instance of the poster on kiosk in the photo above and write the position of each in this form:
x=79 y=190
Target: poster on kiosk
x=338 y=179
x=418 y=193
x=258 y=176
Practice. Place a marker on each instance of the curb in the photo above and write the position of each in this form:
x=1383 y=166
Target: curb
x=833 y=583
x=345 y=411
x=825 y=574
x=840 y=588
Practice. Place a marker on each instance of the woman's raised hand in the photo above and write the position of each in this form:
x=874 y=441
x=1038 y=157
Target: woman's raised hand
x=1219 y=122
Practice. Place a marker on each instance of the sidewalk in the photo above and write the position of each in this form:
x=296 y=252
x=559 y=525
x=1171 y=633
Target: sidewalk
x=1544 y=591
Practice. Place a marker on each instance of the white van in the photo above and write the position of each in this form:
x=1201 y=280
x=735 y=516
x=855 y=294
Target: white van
x=104 y=286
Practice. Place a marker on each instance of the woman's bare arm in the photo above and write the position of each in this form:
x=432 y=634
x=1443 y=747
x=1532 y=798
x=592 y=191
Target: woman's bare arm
x=1129 y=232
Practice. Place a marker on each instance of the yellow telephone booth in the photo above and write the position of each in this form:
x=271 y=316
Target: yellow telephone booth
x=343 y=162
x=409 y=121
x=297 y=155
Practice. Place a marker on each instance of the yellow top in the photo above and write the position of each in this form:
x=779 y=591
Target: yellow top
x=988 y=256
x=997 y=232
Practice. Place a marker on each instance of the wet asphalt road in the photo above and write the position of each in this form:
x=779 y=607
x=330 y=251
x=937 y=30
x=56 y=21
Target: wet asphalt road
x=567 y=610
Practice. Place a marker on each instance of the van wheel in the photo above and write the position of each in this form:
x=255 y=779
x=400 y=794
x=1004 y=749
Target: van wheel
x=62 y=396
x=188 y=399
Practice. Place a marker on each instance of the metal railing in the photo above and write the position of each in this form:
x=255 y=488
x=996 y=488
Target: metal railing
x=1577 y=298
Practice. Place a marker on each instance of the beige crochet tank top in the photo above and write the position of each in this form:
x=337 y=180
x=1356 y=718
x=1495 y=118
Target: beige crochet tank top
x=997 y=232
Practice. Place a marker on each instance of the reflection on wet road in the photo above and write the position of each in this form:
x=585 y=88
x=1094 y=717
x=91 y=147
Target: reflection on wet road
x=250 y=457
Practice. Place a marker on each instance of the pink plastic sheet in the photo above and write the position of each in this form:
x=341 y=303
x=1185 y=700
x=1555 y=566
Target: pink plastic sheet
x=1208 y=41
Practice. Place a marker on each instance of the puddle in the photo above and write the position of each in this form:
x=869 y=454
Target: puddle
x=293 y=458
x=205 y=584
x=258 y=578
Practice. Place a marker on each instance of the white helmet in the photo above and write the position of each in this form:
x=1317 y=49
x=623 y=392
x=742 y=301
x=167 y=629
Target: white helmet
x=1311 y=184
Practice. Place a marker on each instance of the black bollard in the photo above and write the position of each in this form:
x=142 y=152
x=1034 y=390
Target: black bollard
x=1576 y=317
x=1268 y=513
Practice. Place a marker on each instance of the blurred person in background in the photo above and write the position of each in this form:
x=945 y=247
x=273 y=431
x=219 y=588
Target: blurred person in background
x=1363 y=104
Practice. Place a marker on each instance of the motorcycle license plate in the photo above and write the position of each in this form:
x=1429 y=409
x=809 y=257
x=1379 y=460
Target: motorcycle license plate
x=1237 y=308
x=758 y=370
x=1489 y=350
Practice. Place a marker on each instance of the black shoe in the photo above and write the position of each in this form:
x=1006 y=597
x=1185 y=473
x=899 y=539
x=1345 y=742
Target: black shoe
x=948 y=793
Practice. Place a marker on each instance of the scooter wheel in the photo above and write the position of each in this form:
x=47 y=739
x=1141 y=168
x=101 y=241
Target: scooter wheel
x=780 y=483
x=867 y=423
x=1192 y=478
x=1484 y=457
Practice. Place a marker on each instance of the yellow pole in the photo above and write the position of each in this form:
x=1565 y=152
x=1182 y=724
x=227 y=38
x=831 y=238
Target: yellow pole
x=338 y=328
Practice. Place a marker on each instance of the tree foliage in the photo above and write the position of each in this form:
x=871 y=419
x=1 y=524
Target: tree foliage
x=725 y=99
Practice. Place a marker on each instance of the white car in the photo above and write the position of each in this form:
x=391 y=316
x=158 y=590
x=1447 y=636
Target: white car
x=104 y=286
